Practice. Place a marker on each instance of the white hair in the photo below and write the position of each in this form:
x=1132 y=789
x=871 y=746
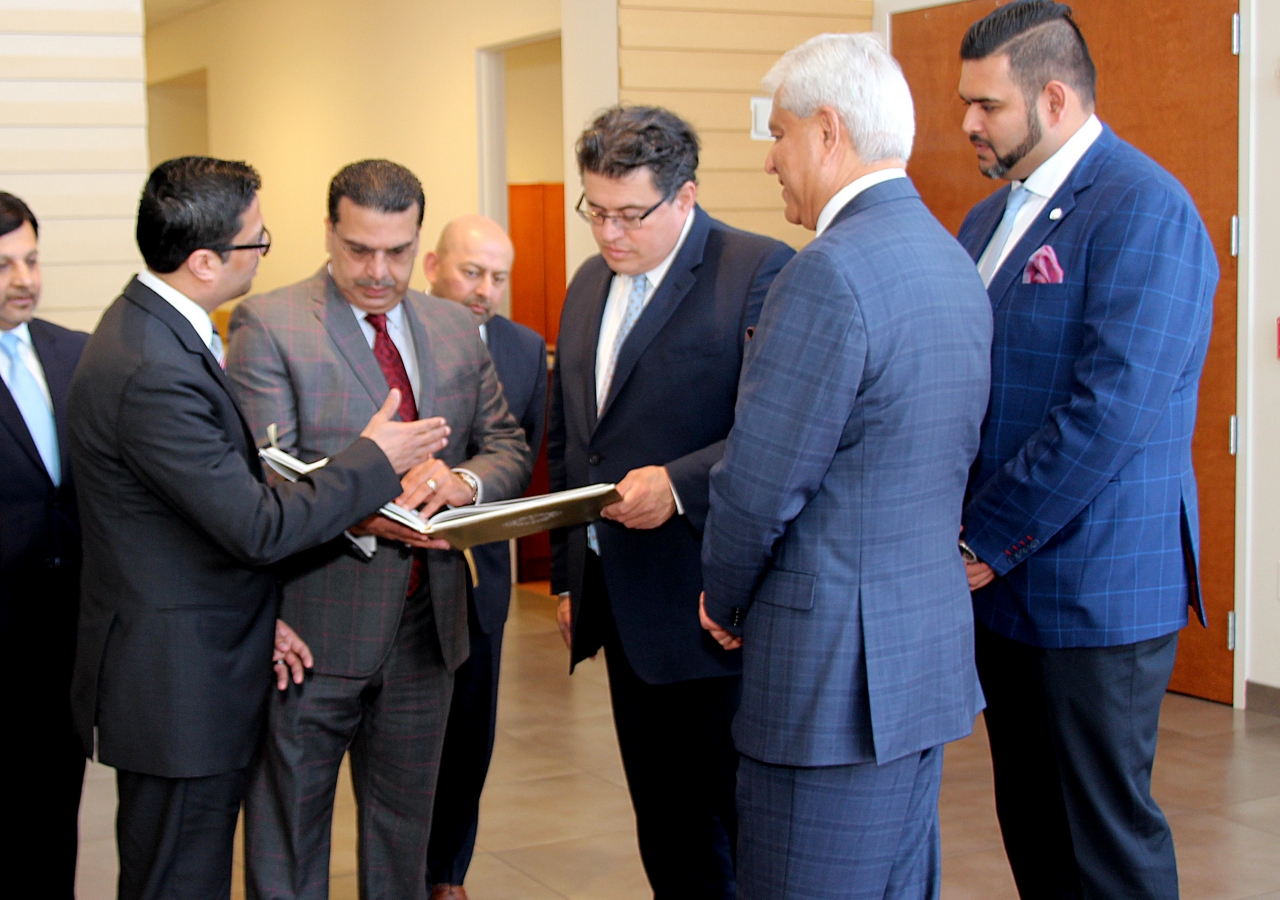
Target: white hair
x=854 y=75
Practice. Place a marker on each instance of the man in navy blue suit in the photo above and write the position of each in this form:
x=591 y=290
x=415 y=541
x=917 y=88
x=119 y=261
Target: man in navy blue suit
x=647 y=363
x=39 y=569
x=1081 y=523
x=471 y=265
x=829 y=552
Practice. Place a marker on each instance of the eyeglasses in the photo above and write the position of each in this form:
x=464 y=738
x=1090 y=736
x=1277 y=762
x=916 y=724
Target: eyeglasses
x=264 y=245
x=625 y=221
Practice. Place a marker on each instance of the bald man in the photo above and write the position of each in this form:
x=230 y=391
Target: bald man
x=471 y=265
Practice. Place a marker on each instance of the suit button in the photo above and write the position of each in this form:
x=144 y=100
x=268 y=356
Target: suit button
x=594 y=459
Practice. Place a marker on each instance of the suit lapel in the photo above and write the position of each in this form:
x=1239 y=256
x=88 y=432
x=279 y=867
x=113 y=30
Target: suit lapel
x=675 y=286
x=12 y=419
x=1009 y=275
x=339 y=320
x=976 y=238
x=423 y=337
x=596 y=297
x=58 y=376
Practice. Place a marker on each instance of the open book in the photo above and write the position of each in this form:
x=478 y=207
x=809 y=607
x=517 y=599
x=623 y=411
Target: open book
x=483 y=523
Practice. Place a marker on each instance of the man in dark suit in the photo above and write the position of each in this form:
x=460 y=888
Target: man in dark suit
x=471 y=265
x=387 y=625
x=829 y=553
x=39 y=569
x=651 y=341
x=1081 y=518
x=178 y=605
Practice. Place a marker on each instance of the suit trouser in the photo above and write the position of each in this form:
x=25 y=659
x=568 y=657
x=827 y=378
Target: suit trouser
x=46 y=765
x=393 y=723
x=680 y=763
x=857 y=832
x=175 y=835
x=464 y=763
x=1073 y=739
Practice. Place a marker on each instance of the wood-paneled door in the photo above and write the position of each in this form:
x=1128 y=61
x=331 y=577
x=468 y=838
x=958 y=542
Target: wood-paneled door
x=1168 y=82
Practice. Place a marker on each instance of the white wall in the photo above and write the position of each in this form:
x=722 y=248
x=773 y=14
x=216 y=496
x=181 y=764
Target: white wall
x=1258 y=367
x=533 y=99
x=73 y=142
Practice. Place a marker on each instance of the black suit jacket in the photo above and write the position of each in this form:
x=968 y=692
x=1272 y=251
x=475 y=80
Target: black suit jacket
x=39 y=531
x=520 y=356
x=670 y=404
x=178 y=604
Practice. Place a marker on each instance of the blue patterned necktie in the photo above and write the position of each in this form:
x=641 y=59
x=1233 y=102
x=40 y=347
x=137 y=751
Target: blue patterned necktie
x=1013 y=204
x=635 y=305
x=31 y=402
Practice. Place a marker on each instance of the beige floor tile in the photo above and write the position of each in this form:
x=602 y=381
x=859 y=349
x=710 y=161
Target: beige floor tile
x=1223 y=860
x=1198 y=718
x=546 y=810
x=489 y=878
x=600 y=866
x=1217 y=769
x=98 y=804
x=1264 y=814
x=978 y=876
x=97 y=869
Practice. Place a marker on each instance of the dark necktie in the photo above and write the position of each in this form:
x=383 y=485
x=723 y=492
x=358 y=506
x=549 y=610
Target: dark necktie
x=388 y=357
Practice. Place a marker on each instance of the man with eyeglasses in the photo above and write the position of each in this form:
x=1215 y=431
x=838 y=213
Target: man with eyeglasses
x=384 y=610
x=178 y=634
x=651 y=341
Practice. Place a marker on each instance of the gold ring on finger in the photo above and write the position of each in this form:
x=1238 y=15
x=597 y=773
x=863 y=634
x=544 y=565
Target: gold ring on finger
x=431 y=483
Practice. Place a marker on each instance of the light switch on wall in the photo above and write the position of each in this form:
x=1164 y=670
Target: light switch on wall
x=761 y=108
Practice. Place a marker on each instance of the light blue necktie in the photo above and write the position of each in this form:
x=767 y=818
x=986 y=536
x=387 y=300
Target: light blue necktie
x=33 y=406
x=215 y=347
x=1013 y=204
x=635 y=305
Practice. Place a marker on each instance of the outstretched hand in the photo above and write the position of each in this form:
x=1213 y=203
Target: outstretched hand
x=405 y=443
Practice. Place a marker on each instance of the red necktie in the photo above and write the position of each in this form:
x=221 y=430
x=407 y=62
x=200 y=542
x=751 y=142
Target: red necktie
x=384 y=350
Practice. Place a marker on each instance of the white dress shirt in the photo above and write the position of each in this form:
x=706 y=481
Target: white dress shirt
x=191 y=311
x=29 y=359
x=1043 y=183
x=398 y=331
x=842 y=197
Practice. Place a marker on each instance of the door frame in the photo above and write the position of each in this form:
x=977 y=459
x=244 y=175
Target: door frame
x=1247 y=461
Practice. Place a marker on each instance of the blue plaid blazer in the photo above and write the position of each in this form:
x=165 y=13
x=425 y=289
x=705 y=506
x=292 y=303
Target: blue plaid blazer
x=831 y=538
x=1083 y=498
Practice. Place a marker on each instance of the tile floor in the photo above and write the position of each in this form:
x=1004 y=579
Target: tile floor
x=556 y=822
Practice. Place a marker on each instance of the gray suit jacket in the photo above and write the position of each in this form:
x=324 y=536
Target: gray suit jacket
x=297 y=357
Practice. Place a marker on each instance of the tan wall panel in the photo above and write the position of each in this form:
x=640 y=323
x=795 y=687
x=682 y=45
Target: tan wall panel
x=672 y=29
x=107 y=240
x=705 y=110
x=72 y=149
x=73 y=114
x=72 y=21
x=766 y=222
x=739 y=190
x=105 y=68
x=70 y=287
x=73 y=103
x=692 y=70
x=75 y=195
x=732 y=150
x=859 y=8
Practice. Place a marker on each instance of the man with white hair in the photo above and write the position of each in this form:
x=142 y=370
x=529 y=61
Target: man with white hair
x=830 y=550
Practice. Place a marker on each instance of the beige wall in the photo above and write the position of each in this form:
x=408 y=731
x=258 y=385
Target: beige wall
x=73 y=142
x=178 y=117
x=704 y=59
x=534 y=113
x=299 y=88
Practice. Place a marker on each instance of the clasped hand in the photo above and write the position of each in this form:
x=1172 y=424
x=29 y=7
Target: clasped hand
x=647 y=501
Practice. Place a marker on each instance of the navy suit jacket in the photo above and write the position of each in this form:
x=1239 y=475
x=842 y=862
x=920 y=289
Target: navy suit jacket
x=520 y=356
x=39 y=530
x=1083 y=498
x=831 y=542
x=670 y=404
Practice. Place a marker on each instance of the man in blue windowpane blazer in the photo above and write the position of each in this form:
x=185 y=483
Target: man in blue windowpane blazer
x=830 y=544
x=1081 y=520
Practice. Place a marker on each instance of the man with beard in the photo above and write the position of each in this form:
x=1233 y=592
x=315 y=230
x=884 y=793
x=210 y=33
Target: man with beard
x=471 y=265
x=1080 y=529
x=39 y=568
x=384 y=612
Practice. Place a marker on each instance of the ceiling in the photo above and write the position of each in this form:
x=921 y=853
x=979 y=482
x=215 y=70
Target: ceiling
x=160 y=11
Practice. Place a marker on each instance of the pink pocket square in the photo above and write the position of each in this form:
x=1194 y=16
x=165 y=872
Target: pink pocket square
x=1042 y=268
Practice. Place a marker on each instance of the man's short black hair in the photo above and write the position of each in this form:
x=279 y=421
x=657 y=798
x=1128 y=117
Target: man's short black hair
x=13 y=212
x=1043 y=43
x=626 y=138
x=193 y=203
x=377 y=184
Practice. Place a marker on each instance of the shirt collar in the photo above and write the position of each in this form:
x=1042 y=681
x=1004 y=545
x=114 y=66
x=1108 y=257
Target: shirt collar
x=1045 y=180
x=23 y=333
x=852 y=189
x=395 y=315
x=191 y=311
x=659 y=272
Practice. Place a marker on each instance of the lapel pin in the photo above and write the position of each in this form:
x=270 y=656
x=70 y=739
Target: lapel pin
x=1055 y=214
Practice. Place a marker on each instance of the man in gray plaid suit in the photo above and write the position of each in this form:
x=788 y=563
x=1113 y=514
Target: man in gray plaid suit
x=383 y=609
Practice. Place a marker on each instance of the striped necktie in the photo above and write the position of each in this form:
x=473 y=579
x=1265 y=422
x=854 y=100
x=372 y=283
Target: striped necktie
x=635 y=305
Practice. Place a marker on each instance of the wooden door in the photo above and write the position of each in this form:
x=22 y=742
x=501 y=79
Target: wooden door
x=1168 y=83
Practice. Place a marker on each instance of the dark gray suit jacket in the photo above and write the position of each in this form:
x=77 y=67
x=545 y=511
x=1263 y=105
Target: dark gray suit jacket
x=178 y=604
